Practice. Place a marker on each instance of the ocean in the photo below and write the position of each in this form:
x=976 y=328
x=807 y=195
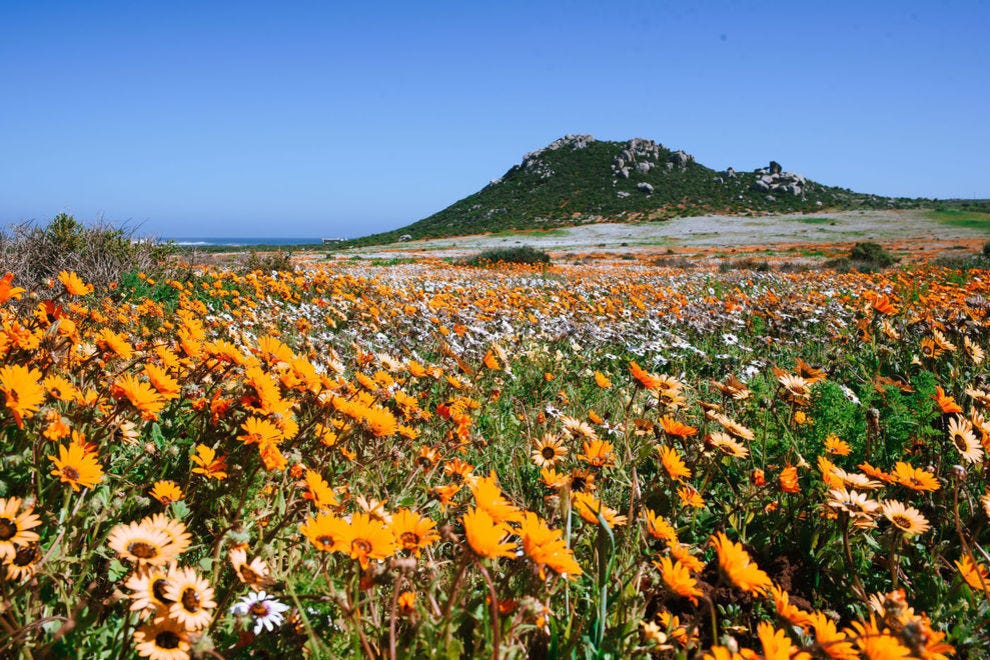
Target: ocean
x=238 y=242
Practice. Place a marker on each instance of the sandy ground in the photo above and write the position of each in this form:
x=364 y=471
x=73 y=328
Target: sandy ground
x=907 y=231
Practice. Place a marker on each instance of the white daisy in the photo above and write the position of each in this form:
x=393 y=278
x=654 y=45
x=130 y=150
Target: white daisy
x=266 y=610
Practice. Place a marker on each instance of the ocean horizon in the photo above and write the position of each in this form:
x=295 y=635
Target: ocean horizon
x=213 y=241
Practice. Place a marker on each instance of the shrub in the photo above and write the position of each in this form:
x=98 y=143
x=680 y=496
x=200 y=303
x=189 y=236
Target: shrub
x=100 y=254
x=267 y=262
x=872 y=255
x=514 y=255
x=986 y=249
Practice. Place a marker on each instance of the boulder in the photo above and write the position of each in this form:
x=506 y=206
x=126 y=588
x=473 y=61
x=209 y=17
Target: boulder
x=624 y=172
x=645 y=187
x=775 y=167
x=761 y=186
x=680 y=158
x=643 y=167
x=730 y=173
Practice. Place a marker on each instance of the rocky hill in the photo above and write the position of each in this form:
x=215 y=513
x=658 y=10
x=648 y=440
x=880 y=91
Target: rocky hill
x=578 y=179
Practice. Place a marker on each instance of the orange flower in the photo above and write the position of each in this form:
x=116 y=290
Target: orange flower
x=915 y=478
x=413 y=531
x=738 y=567
x=22 y=390
x=141 y=395
x=945 y=402
x=209 y=465
x=673 y=463
x=489 y=499
x=319 y=491
x=644 y=378
x=598 y=453
x=883 y=305
x=602 y=381
x=789 y=480
x=690 y=496
x=546 y=547
x=485 y=536
x=679 y=579
x=8 y=292
x=787 y=610
x=675 y=428
x=835 y=445
x=777 y=645
x=77 y=467
x=74 y=284
x=166 y=492
x=259 y=431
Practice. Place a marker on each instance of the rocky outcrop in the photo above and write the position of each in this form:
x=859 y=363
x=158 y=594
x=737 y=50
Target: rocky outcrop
x=644 y=187
x=773 y=179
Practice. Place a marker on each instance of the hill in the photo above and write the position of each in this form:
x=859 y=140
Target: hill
x=578 y=180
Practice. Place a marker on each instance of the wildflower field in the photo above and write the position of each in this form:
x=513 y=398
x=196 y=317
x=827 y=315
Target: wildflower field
x=426 y=460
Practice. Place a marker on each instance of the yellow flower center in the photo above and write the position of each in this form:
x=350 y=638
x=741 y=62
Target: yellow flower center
x=8 y=529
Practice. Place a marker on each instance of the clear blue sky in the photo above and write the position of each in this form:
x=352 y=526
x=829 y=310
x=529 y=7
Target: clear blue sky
x=330 y=118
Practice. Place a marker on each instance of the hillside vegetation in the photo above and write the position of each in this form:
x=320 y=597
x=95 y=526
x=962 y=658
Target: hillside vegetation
x=577 y=180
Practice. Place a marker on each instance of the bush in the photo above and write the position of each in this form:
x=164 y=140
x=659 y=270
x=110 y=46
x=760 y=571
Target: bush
x=872 y=255
x=986 y=249
x=746 y=263
x=515 y=255
x=100 y=254
x=267 y=262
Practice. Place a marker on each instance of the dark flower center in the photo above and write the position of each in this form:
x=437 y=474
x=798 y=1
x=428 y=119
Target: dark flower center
x=259 y=608
x=70 y=473
x=578 y=484
x=190 y=599
x=548 y=452
x=158 y=588
x=26 y=555
x=409 y=539
x=8 y=529
x=142 y=550
x=324 y=540
x=901 y=521
x=360 y=546
x=167 y=639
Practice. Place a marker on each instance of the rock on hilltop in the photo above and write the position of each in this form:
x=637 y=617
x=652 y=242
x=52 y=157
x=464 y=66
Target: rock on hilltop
x=577 y=180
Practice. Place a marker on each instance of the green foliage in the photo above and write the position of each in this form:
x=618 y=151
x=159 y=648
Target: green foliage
x=515 y=255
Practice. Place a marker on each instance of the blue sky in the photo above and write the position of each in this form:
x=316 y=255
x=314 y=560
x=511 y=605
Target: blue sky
x=318 y=119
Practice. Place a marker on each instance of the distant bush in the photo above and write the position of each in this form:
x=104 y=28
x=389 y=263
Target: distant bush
x=100 y=254
x=514 y=255
x=865 y=257
x=872 y=253
x=986 y=249
x=674 y=262
x=279 y=261
x=747 y=263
